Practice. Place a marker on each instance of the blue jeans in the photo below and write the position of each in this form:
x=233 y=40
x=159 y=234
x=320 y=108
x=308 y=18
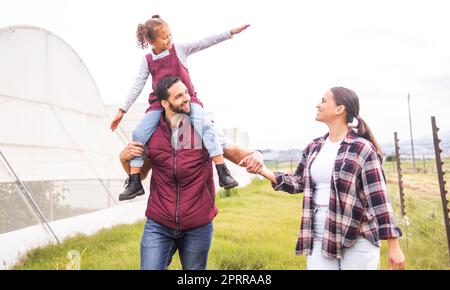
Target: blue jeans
x=159 y=244
x=212 y=139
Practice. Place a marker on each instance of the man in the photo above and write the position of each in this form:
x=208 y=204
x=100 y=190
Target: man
x=181 y=205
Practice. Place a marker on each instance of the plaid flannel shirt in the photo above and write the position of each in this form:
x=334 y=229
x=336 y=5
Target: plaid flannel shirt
x=359 y=204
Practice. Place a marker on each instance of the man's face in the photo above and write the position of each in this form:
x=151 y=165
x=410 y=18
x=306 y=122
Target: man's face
x=178 y=100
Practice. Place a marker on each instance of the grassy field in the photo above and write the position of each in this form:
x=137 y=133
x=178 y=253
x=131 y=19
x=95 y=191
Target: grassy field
x=425 y=240
x=256 y=229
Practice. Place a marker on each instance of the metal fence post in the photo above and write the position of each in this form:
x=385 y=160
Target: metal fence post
x=442 y=182
x=424 y=166
x=400 y=176
x=29 y=198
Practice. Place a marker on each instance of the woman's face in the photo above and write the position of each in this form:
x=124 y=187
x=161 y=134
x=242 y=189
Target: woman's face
x=327 y=110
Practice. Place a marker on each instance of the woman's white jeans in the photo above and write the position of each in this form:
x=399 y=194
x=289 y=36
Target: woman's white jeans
x=363 y=255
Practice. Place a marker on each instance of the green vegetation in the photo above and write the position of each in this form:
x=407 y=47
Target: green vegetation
x=424 y=241
x=257 y=229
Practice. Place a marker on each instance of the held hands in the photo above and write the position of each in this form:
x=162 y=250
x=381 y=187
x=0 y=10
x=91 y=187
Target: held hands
x=254 y=163
x=115 y=122
x=239 y=29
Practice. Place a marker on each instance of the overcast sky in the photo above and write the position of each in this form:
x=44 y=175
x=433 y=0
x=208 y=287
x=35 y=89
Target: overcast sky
x=268 y=79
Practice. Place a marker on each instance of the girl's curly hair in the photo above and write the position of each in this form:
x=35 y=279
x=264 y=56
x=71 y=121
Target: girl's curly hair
x=148 y=30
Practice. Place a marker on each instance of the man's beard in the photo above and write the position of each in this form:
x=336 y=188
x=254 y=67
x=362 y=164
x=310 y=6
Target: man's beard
x=178 y=110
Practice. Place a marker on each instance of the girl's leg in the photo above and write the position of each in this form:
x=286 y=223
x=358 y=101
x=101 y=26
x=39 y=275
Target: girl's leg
x=142 y=134
x=208 y=132
x=212 y=141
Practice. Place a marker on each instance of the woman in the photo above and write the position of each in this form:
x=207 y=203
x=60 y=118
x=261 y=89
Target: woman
x=346 y=210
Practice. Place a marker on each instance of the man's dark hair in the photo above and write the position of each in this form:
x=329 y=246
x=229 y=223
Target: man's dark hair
x=163 y=86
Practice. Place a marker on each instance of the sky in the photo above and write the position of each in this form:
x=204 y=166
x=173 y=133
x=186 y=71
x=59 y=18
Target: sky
x=268 y=79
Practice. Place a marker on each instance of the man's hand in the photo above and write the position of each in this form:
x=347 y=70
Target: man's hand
x=253 y=162
x=239 y=29
x=133 y=149
x=115 y=122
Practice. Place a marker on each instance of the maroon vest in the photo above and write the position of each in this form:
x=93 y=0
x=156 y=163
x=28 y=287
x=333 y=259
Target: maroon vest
x=182 y=192
x=168 y=66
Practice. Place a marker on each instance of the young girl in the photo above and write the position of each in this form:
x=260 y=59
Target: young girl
x=166 y=59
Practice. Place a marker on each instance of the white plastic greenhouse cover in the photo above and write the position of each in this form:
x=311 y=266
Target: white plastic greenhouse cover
x=54 y=134
x=53 y=123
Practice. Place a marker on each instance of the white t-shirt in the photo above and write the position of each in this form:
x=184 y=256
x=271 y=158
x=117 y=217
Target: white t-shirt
x=322 y=170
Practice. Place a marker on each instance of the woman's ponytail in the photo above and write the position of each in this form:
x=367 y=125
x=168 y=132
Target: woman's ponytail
x=363 y=130
x=350 y=101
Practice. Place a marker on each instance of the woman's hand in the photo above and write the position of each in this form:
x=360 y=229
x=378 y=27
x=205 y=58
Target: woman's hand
x=115 y=122
x=133 y=149
x=396 y=258
x=239 y=29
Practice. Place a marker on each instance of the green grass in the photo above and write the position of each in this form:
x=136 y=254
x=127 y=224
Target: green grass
x=425 y=241
x=255 y=229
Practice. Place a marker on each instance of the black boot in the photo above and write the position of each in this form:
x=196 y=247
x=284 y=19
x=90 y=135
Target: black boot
x=133 y=187
x=225 y=179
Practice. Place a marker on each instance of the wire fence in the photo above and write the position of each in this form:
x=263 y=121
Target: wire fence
x=419 y=201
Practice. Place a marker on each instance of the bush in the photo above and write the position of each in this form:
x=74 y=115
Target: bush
x=390 y=158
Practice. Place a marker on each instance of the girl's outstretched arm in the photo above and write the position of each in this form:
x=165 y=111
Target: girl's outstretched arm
x=186 y=49
x=239 y=29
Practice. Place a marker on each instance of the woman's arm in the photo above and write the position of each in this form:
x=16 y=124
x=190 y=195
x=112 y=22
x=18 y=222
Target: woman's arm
x=375 y=189
x=290 y=183
x=268 y=174
x=396 y=258
x=280 y=181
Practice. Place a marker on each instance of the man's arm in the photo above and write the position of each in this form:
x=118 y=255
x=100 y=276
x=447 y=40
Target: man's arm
x=134 y=149
x=251 y=160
